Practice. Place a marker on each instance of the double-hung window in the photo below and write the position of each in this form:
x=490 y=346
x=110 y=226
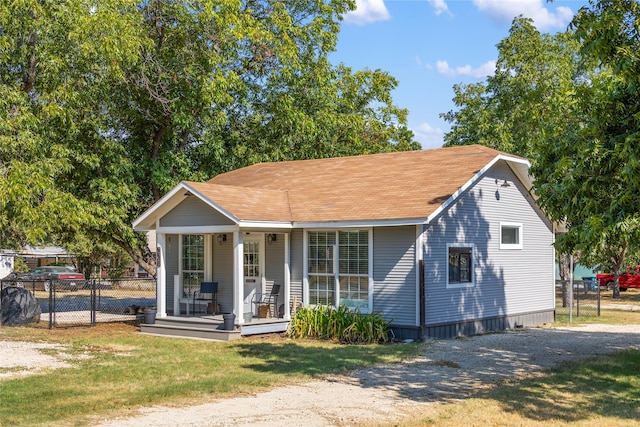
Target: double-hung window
x=322 y=280
x=338 y=268
x=353 y=271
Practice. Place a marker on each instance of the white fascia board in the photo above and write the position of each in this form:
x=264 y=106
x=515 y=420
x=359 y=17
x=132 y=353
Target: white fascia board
x=359 y=224
x=281 y=225
x=198 y=229
x=168 y=202
x=519 y=165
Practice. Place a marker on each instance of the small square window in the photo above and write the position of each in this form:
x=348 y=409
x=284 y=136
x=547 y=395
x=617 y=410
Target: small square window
x=510 y=236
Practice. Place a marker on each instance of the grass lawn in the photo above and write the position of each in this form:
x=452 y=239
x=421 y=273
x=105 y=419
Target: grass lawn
x=597 y=392
x=116 y=370
x=602 y=391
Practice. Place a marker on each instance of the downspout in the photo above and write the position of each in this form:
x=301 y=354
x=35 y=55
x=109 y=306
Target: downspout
x=423 y=301
x=421 y=282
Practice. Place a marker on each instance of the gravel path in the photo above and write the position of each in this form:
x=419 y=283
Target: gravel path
x=446 y=370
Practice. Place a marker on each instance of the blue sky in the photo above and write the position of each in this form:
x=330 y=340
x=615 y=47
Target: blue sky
x=430 y=45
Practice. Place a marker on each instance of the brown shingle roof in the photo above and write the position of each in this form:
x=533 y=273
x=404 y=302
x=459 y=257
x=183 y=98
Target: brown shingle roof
x=401 y=185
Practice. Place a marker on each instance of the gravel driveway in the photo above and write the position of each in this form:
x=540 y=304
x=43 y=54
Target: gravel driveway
x=446 y=370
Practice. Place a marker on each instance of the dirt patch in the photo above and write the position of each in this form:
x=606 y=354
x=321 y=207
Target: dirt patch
x=26 y=358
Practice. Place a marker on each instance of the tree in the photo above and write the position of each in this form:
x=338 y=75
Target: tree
x=55 y=62
x=529 y=99
x=594 y=172
x=112 y=103
x=569 y=102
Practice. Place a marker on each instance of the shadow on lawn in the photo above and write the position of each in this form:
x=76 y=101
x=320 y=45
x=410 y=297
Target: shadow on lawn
x=470 y=367
x=291 y=357
x=610 y=385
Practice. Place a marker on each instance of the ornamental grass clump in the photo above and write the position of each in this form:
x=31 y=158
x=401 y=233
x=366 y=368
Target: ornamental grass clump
x=341 y=324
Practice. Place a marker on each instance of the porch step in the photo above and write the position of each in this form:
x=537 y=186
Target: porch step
x=190 y=328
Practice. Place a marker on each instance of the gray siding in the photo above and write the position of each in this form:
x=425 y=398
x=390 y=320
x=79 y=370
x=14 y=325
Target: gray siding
x=192 y=211
x=223 y=272
x=172 y=266
x=296 y=244
x=394 y=274
x=274 y=267
x=507 y=282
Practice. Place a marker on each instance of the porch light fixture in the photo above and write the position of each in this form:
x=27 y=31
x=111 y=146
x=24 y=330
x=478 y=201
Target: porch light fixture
x=271 y=238
x=504 y=184
x=222 y=238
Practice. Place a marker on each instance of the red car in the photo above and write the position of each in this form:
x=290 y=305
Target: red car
x=630 y=279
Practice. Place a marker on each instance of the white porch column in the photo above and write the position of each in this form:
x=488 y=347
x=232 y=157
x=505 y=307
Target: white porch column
x=238 y=277
x=161 y=275
x=287 y=278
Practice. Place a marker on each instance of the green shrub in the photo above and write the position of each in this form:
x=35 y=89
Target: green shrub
x=341 y=324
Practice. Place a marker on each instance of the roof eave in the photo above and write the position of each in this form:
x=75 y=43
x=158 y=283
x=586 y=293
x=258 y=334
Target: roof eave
x=519 y=165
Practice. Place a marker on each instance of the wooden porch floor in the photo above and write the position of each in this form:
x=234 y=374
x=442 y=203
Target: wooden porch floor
x=210 y=327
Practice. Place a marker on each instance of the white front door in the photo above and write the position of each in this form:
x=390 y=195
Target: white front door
x=252 y=271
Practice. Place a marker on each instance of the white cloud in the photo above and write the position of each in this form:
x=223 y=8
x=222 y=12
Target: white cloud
x=428 y=136
x=544 y=18
x=367 y=12
x=486 y=69
x=439 y=6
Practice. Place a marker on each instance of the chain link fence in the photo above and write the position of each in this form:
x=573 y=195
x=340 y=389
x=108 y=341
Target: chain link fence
x=585 y=300
x=87 y=302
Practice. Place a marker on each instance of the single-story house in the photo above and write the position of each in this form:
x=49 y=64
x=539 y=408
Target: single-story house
x=441 y=242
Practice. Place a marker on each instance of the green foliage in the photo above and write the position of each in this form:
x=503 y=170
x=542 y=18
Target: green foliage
x=111 y=104
x=529 y=99
x=590 y=177
x=341 y=324
x=20 y=265
x=570 y=103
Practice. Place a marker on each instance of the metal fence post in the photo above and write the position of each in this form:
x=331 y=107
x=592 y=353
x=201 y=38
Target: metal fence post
x=51 y=308
x=92 y=287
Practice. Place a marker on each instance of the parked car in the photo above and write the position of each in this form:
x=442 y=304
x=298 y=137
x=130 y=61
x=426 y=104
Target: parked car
x=42 y=277
x=630 y=279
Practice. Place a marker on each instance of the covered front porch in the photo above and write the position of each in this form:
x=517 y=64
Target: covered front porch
x=249 y=272
x=200 y=243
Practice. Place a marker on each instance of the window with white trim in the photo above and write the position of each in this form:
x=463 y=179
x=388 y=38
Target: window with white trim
x=510 y=235
x=192 y=262
x=459 y=265
x=353 y=268
x=322 y=284
x=338 y=268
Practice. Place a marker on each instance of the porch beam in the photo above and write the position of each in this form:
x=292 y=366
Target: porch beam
x=238 y=277
x=161 y=278
x=287 y=278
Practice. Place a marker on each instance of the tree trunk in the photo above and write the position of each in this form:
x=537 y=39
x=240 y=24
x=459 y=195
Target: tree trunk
x=564 y=265
x=142 y=256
